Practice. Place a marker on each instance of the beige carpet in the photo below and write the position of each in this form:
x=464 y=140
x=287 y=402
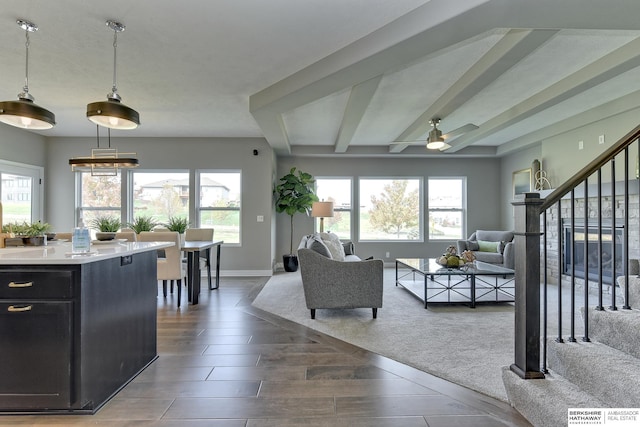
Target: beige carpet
x=463 y=345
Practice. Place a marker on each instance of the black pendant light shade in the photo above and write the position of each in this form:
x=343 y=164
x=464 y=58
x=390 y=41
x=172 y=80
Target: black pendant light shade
x=113 y=114
x=23 y=112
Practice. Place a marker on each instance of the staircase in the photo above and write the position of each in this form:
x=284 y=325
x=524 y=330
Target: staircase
x=584 y=358
x=603 y=373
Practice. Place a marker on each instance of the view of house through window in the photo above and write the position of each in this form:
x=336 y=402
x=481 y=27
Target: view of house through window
x=160 y=195
x=16 y=198
x=218 y=206
x=20 y=192
x=338 y=191
x=390 y=209
x=446 y=208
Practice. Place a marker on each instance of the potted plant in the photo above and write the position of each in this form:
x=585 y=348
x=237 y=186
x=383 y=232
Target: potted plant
x=294 y=194
x=179 y=224
x=107 y=227
x=142 y=223
x=26 y=234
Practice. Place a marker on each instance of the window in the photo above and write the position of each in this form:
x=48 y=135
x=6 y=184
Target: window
x=390 y=209
x=219 y=202
x=447 y=201
x=160 y=195
x=20 y=192
x=338 y=191
x=98 y=196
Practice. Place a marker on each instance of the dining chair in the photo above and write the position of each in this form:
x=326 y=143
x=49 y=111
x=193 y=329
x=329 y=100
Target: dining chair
x=202 y=235
x=169 y=267
x=64 y=236
x=128 y=234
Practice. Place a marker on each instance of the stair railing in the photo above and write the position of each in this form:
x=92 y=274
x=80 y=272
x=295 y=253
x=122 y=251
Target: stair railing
x=533 y=215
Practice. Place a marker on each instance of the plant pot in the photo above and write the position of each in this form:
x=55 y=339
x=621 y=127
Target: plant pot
x=290 y=263
x=105 y=235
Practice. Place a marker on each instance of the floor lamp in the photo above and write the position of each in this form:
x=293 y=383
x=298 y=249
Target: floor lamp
x=322 y=210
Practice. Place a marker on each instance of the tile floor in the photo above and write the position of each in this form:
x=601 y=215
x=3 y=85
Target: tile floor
x=224 y=363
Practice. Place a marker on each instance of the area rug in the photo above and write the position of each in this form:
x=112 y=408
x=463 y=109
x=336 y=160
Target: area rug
x=454 y=342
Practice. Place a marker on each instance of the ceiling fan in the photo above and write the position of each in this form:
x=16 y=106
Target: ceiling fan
x=436 y=139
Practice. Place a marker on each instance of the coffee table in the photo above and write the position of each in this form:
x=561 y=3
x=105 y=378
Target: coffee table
x=432 y=283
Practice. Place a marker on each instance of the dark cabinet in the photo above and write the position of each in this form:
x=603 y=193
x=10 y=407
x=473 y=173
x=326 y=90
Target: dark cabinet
x=35 y=361
x=71 y=336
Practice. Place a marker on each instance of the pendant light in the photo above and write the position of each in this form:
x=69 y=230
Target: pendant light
x=24 y=113
x=112 y=113
x=104 y=161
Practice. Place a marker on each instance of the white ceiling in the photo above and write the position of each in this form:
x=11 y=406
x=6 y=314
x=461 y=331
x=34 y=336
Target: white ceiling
x=331 y=77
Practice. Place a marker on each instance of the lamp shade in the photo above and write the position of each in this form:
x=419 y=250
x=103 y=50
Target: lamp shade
x=25 y=114
x=113 y=114
x=322 y=209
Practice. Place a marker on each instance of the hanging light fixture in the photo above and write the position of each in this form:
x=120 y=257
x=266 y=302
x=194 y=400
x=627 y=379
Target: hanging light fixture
x=435 y=141
x=112 y=113
x=104 y=161
x=24 y=113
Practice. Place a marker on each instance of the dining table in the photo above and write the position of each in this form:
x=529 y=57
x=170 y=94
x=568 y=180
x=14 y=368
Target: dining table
x=193 y=248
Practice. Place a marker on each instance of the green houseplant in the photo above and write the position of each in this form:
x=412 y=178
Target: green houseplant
x=142 y=223
x=107 y=226
x=33 y=234
x=294 y=194
x=177 y=223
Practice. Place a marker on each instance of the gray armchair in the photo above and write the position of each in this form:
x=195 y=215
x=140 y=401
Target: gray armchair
x=494 y=247
x=329 y=283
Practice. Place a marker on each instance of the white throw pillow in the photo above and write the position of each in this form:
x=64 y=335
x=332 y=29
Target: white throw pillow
x=334 y=245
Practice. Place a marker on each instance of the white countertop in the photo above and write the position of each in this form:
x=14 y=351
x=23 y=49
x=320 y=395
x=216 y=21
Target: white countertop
x=60 y=253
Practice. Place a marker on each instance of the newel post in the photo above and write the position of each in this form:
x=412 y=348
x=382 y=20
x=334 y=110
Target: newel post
x=527 y=277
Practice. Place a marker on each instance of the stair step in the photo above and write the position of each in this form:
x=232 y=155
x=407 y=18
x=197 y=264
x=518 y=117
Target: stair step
x=544 y=402
x=617 y=329
x=606 y=373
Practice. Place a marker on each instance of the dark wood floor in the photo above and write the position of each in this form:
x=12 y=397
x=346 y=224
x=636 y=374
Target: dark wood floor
x=225 y=363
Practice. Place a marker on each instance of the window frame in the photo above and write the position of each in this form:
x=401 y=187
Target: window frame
x=36 y=173
x=421 y=212
x=198 y=208
x=351 y=210
x=129 y=194
x=462 y=209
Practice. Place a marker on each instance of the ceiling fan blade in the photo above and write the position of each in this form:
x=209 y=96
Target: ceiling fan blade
x=418 y=142
x=445 y=147
x=463 y=129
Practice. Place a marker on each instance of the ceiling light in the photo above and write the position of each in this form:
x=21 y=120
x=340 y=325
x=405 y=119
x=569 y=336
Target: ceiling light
x=435 y=140
x=104 y=161
x=112 y=113
x=24 y=113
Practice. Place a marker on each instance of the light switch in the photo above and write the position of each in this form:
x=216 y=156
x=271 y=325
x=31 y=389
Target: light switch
x=601 y=139
x=580 y=145
x=260 y=218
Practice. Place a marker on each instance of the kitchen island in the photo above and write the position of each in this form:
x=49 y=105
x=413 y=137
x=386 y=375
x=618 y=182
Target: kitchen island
x=75 y=329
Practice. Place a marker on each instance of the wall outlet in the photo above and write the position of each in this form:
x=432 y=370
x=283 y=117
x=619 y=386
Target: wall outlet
x=387 y=254
x=580 y=145
x=601 y=139
x=260 y=218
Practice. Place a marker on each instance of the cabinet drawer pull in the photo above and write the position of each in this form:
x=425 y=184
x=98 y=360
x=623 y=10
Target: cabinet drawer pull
x=14 y=309
x=20 y=284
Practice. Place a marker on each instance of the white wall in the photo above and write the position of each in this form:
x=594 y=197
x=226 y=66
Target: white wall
x=18 y=145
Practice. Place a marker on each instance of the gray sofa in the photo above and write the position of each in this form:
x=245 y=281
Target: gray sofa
x=332 y=283
x=495 y=247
